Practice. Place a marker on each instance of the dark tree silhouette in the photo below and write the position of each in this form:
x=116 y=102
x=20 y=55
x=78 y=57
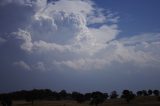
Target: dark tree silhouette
x=127 y=95
x=106 y=95
x=139 y=93
x=63 y=94
x=97 y=98
x=30 y=97
x=150 y=92
x=6 y=100
x=88 y=96
x=144 y=93
x=113 y=95
x=39 y=94
x=80 y=98
x=156 y=92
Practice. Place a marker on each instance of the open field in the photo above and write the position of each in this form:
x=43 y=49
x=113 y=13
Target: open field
x=138 y=101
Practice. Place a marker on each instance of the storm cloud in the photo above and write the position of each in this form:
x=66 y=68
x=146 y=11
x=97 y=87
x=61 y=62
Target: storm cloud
x=73 y=35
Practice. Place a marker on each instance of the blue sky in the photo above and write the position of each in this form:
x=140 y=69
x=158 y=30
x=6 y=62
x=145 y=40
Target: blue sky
x=79 y=45
x=138 y=16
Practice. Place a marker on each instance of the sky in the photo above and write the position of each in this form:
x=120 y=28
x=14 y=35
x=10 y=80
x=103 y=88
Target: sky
x=79 y=45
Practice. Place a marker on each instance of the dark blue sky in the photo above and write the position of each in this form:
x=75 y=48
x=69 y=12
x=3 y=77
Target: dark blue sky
x=138 y=16
x=76 y=46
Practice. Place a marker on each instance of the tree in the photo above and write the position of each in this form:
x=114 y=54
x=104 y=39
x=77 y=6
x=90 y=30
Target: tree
x=150 y=92
x=97 y=98
x=127 y=95
x=56 y=95
x=30 y=97
x=144 y=92
x=80 y=98
x=34 y=94
x=88 y=96
x=63 y=94
x=113 y=95
x=139 y=93
x=106 y=95
x=6 y=100
x=156 y=92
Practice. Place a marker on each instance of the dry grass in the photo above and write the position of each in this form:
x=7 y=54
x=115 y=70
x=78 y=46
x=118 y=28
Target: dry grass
x=138 y=101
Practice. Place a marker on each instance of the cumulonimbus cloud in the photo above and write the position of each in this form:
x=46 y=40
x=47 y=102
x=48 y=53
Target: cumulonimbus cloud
x=63 y=30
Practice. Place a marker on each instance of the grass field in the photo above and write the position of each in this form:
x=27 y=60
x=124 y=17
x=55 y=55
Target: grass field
x=138 y=101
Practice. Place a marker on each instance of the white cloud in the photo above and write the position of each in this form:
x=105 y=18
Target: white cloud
x=62 y=35
x=137 y=39
x=22 y=64
x=112 y=17
x=42 y=46
x=114 y=52
x=26 y=38
x=124 y=54
x=2 y=40
x=105 y=33
x=21 y=2
x=82 y=64
x=40 y=66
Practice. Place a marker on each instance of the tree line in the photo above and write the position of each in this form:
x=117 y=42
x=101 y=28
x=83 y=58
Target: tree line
x=95 y=98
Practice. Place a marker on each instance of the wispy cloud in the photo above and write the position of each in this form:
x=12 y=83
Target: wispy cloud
x=2 y=40
x=22 y=65
x=21 y=2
